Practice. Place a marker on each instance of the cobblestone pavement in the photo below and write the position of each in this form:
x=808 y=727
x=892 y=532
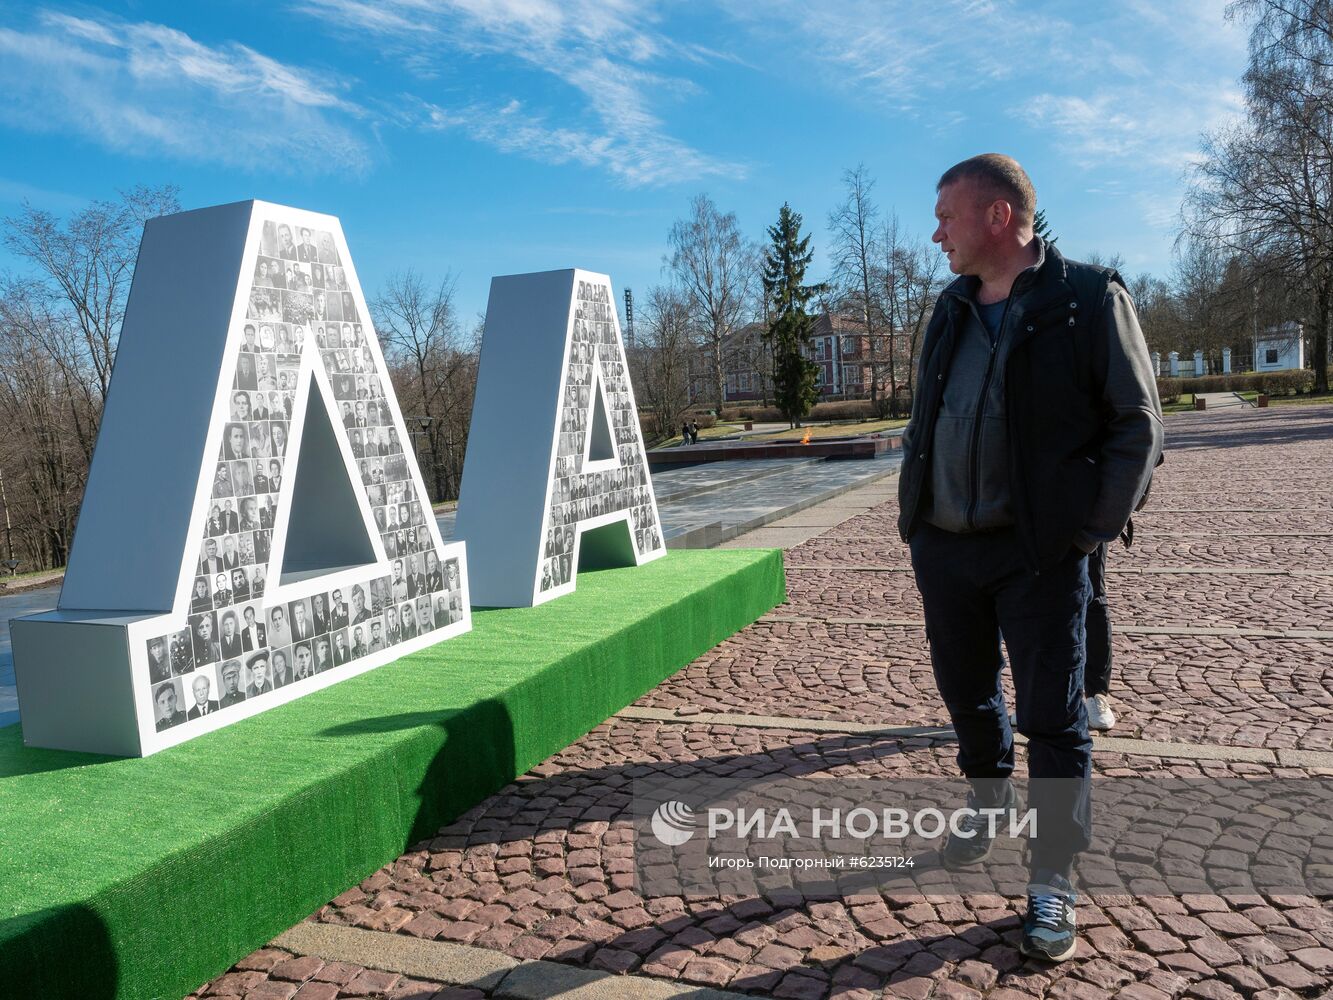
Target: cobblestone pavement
x=1226 y=691
x=1274 y=552
x=277 y=974
x=544 y=869
x=1185 y=600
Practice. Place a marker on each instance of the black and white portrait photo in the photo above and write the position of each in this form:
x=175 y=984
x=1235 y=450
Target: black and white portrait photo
x=202 y=700
x=167 y=699
x=230 y=684
x=203 y=630
x=159 y=660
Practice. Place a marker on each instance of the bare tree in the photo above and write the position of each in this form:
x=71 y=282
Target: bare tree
x=752 y=352
x=855 y=251
x=897 y=263
x=90 y=261
x=1158 y=312
x=1197 y=274
x=715 y=267
x=660 y=360
x=1264 y=187
x=59 y=326
x=1116 y=261
x=40 y=453
x=434 y=370
x=913 y=277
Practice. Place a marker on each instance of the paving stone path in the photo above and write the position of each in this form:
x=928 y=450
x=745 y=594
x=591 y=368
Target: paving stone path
x=540 y=877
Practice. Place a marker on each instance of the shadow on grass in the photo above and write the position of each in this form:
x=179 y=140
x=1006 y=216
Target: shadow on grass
x=64 y=951
x=451 y=782
x=17 y=759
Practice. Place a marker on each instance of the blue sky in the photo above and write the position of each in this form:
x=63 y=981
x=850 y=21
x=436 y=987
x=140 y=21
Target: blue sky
x=498 y=136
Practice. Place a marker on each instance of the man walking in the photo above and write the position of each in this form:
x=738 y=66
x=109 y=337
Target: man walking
x=1033 y=434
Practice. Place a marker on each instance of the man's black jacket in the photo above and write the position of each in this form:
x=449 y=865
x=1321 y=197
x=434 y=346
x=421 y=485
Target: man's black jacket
x=1081 y=408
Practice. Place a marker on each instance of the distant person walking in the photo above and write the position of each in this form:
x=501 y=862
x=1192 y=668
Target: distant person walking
x=1031 y=440
x=685 y=432
x=694 y=432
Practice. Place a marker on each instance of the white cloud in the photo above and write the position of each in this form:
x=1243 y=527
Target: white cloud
x=602 y=50
x=511 y=128
x=1157 y=76
x=908 y=57
x=1092 y=128
x=15 y=192
x=1151 y=125
x=1158 y=210
x=148 y=89
x=1131 y=83
x=599 y=210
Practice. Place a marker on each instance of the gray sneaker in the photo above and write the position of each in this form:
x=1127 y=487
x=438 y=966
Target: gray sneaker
x=1050 y=929
x=975 y=844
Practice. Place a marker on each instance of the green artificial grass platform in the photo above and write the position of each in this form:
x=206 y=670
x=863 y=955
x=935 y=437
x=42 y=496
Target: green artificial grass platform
x=147 y=877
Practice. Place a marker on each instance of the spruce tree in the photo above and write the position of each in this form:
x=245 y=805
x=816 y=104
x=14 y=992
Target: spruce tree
x=1042 y=228
x=789 y=327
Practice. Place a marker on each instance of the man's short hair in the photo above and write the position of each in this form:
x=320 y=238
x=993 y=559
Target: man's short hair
x=997 y=176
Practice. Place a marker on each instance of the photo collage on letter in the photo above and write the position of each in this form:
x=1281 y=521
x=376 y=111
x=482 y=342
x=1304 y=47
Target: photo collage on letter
x=577 y=495
x=237 y=645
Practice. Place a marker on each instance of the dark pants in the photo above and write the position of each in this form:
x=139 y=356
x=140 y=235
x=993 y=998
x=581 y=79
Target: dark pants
x=1097 y=676
x=977 y=589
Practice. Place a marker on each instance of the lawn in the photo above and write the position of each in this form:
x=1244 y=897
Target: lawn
x=1186 y=402
x=1321 y=399
x=705 y=433
x=21 y=577
x=841 y=428
x=823 y=429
